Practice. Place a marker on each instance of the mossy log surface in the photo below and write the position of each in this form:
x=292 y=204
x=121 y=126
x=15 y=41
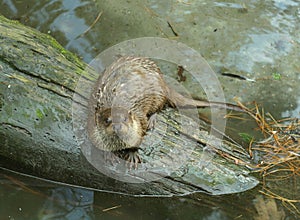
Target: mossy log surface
x=37 y=83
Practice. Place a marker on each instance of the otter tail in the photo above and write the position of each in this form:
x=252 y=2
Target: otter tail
x=176 y=99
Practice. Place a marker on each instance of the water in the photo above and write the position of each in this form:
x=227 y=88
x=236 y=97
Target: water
x=28 y=198
x=256 y=39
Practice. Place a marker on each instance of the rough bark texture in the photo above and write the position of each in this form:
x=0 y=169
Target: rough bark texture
x=37 y=82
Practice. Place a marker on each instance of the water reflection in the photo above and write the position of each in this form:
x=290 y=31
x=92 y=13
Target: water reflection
x=11 y=5
x=65 y=20
x=27 y=198
x=295 y=113
x=262 y=48
x=68 y=203
x=23 y=197
x=284 y=4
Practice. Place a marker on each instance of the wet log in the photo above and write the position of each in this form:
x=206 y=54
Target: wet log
x=37 y=85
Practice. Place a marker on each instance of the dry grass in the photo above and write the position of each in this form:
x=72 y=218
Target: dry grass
x=279 y=152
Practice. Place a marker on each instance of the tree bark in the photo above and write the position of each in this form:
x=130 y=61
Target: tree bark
x=37 y=83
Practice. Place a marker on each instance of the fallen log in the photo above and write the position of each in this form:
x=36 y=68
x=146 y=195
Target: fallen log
x=37 y=83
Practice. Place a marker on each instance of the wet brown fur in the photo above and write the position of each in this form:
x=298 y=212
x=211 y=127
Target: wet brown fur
x=128 y=93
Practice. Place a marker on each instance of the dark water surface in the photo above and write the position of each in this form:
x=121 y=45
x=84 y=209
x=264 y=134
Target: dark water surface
x=257 y=39
x=27 y=198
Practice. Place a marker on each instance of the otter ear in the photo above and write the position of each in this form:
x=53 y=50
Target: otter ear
x=129 y=113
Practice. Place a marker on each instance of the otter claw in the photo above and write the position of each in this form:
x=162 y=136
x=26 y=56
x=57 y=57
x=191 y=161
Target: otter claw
x=132 y=159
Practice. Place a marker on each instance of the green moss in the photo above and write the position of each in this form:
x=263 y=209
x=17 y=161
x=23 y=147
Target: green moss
x=276 y=76
x=46 y=39
x=39 y=114
x=246 y=137
x=14 y=22
x=1 y=101
x=70 y=56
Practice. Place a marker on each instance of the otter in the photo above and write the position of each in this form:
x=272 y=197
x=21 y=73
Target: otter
x=128 y=95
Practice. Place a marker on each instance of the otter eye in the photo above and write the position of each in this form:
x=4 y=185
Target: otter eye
x=125 y=119
x=107 y=121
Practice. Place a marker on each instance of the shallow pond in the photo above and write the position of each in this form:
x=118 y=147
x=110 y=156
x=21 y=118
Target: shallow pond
x=258 y=40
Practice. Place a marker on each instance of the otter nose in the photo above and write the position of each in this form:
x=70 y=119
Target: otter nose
x=117 y=127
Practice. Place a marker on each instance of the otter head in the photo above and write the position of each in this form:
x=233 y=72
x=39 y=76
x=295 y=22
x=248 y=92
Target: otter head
x=121 y=125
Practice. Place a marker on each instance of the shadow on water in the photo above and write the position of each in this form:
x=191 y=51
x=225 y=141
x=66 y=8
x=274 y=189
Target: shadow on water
x=25 y=197
x=258 y=40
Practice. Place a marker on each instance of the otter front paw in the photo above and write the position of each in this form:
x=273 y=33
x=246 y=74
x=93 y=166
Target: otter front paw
x=132 y=158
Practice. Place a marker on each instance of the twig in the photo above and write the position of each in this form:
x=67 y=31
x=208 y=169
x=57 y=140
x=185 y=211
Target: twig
x=284 y=201
x=111 y=208
x=172 y=29
x=91 y=26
